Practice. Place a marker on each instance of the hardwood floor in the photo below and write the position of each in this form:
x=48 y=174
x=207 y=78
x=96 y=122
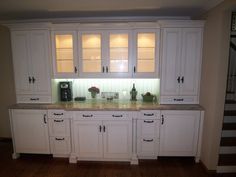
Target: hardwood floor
x=46 y=166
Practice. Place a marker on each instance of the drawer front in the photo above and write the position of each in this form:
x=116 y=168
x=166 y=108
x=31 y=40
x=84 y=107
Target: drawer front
x=179 y=100
x=149 y=114
x=57 y=113
x=148 y=127
x=101 y=115
x=33 y=99
x=59 y=127
x=147 y=147
x=60 y=145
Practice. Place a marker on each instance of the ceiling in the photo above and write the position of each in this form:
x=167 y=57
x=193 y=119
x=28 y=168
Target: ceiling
x=40 y=9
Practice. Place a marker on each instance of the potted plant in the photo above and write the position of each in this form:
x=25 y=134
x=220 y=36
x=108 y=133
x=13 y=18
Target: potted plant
x=94 y=91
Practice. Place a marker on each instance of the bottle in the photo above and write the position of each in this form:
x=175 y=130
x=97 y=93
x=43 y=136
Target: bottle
x=133 y=93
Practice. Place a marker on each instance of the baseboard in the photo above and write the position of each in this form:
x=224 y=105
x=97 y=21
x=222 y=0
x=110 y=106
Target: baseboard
x=210 y=172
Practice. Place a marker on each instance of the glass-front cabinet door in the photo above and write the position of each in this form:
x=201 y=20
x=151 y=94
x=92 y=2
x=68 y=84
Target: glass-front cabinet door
x=119 y=54
x=146 y=60
x=64 y=44
x=91 y=59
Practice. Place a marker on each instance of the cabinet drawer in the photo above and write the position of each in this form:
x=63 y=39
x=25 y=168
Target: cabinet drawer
x=148 y=127
x=57 y=113
x=60 y=145
x=147 y=147
x=149 y=114
x=33 y=99
x=179 y=100
x=101 y=115
x=59 y=127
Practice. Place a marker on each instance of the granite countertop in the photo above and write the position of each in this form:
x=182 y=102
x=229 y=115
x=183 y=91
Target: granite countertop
x=103 y=105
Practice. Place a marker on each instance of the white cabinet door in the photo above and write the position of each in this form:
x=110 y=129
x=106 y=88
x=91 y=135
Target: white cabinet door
x=170 y=61
x=179 y=133
x=191 y=61
x=146 y=53
x=88 y=139
x=30 y=131
x=21 y=56
x=40 y=68
x=64 y=52
x=117 y=139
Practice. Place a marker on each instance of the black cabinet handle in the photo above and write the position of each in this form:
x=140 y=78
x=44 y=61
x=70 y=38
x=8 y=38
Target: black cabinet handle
x=178 y=79
x=148 y=121
x=34 y=99
x=87 y=115
x=162 y=119
x=117 y=115
x=182 y=79
x=76 y=69
x=103 y=69
x=104 y=128
x=107 y=69
x=30 y=80
x=57 y=114
x=148 y=114
x=60 y=139
x=45 y=118
x=59 y=120
x=148 y=140
x=100 y=128
x=134 y=69
x=33 y=80
x=178 y=99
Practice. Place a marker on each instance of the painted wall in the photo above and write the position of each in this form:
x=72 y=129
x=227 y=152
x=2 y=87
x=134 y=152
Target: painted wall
x=7 y=91
x=214 y=77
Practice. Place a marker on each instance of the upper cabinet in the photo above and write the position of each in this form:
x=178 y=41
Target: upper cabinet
x=30 y=50
x=146 y=53
x=106 y=50
x=181 y=65
x=64 y=52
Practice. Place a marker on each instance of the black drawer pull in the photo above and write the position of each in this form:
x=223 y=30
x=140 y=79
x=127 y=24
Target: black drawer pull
x=148 y=114
x=117 y=115
x=148 y=121
x=87 y=115
x=34 y=99
x=148 y=140
x=58 y=120
x=60 y=139
x=178 y=99
x=57 y=114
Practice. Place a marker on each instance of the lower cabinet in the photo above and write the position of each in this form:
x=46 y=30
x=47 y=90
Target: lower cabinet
x=103 y=139
x=179 y=133
x=30 y=131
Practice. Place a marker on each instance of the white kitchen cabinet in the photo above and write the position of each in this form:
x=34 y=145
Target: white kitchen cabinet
x=179 y=133
x=59 y=132
x=180 y=65
x=148 y=127
x=102 y=135
x=146 y=53
x=29 y=131
x=31 y=65
x=105 y=53
x=64 y=52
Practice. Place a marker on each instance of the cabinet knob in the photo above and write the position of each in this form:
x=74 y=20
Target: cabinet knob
x=84 y=115
x=117 y=115
x=76 y=69
x=45 y=118
x=33 y=80
x=134 y=69
x=103 y=69
x=148 y=140
x=182 y=79
x=104 y=128
x=107 y=69
x=145 y=114
x=148 y=121
x=178 y=79
x=30 y=80
x=59 y=120
x=162 y=119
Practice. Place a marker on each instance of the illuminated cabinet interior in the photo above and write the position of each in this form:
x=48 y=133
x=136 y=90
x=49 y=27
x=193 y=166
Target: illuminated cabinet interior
x=119 y=52
x=146 y=52
x=91 y=53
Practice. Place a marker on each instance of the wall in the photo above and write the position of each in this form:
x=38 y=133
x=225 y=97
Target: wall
x=214 y=77
x=7 y=93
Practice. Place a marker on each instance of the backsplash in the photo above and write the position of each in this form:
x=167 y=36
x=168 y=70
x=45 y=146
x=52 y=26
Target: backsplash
x=122 y=86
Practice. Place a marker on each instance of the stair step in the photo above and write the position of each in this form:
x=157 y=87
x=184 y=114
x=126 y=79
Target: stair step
x=227 y=159
x=230 y=102
x=228 y=141
x=229 y=126
x=230 y=113
x=230 y=92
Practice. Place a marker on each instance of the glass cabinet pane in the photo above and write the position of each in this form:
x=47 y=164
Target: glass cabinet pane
x=64 y=53
x=119 y=52
x=91 y=52
x=146 y=52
